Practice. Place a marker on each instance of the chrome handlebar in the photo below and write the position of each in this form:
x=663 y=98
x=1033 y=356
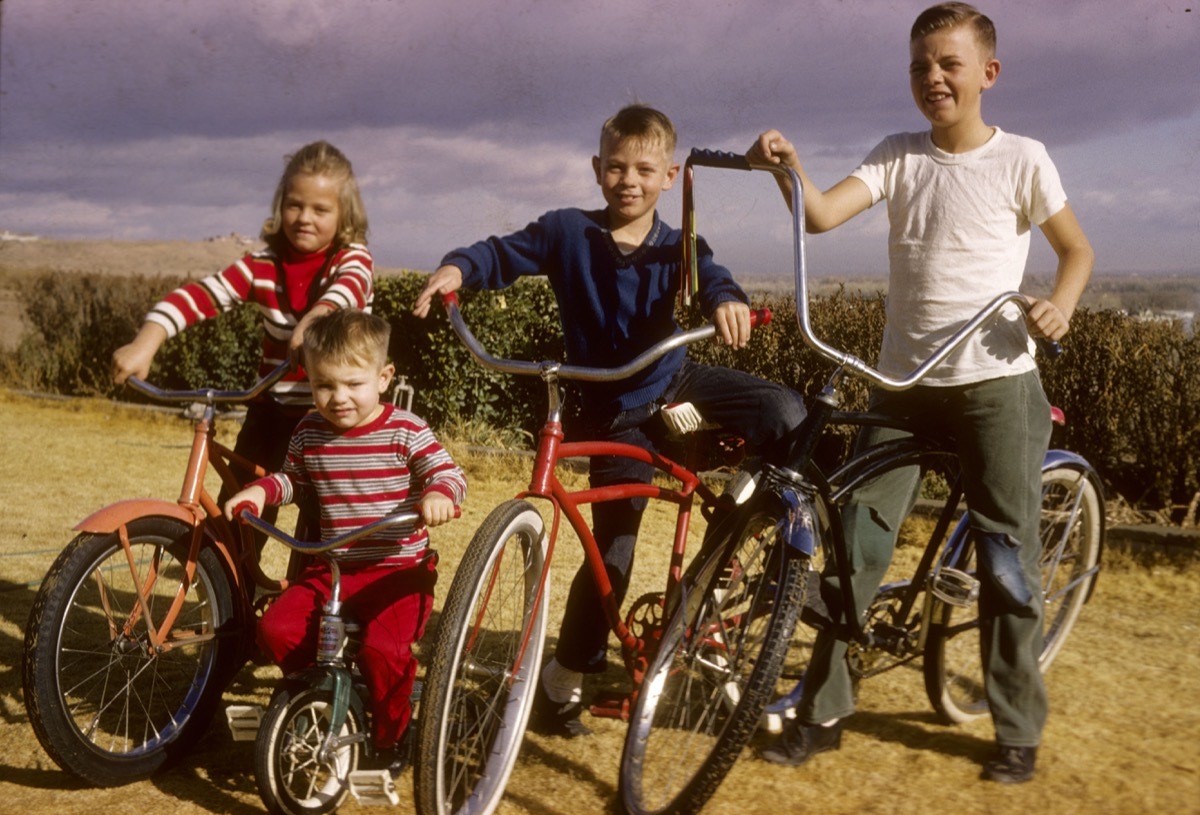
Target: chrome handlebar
x=209 y=396
x=848 y=362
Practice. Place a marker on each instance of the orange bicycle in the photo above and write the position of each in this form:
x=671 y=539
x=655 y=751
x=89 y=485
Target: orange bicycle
x=145 y=617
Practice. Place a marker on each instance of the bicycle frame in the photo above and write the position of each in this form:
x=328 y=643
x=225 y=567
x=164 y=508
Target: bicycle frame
x=196 y=508
x=551 y=450
x=792 y=481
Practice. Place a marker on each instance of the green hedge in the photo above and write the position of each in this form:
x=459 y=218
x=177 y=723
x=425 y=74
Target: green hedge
x=1130 y=388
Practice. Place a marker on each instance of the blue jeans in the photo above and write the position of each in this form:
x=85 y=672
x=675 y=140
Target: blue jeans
x=760 y=412
x=1002 y=429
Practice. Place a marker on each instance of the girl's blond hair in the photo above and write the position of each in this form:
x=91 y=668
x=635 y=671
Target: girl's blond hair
x=320 y=158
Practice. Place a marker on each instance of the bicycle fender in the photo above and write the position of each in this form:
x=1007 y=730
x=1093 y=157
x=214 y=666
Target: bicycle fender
x=114 y=516
x=1058 y=458
x=799 y=527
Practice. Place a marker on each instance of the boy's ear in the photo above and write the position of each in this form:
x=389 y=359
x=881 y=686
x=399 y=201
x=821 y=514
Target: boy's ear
x=385 y=377
x=596 y=168
x=991 y=72
x=672 y=172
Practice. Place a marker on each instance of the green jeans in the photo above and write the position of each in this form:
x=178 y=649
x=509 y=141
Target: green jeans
x=1002 y=429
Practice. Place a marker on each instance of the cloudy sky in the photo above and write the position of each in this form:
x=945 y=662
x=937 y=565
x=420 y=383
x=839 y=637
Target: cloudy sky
x=157 y=119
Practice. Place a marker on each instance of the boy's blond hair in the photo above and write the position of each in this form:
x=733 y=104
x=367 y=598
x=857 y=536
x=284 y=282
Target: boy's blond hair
x=320 y=158
x=347 y=336
x=639 y=123
x=950 y=15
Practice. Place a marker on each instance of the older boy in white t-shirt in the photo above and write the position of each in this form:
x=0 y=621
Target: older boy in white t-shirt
x=962 y=199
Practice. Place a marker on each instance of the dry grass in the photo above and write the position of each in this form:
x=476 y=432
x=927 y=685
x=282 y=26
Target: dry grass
x=1122 y=737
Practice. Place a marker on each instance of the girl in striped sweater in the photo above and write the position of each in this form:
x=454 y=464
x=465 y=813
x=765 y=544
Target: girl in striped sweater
x=315 y=261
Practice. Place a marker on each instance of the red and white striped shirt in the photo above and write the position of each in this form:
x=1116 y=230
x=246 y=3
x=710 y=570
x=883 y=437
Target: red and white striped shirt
x=361 y=475
x=283 y=288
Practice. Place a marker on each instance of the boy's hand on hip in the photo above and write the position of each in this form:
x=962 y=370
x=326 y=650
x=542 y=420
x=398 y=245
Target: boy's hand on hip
x=443 y=281
x=732 y=320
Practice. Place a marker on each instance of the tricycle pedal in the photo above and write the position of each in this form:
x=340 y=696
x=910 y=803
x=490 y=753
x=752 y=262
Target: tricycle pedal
x=244 y=721
x=373 y=788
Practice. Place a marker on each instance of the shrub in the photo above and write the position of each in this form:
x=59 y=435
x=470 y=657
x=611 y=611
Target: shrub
x=1130 y=388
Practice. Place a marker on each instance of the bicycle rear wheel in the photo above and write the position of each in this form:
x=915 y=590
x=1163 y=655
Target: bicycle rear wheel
x=104 y=705
x=480 y=682
x=1071 y=530
x=715 y=670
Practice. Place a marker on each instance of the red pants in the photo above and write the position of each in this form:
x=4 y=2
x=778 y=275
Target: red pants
x=391 y=604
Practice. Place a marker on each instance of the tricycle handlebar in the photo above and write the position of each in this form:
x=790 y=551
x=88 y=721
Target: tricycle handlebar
x=325 y=547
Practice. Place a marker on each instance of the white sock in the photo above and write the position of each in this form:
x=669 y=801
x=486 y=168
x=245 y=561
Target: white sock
x=563 y=686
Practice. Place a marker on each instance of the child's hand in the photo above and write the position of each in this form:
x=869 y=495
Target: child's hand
x=436 y=509
x=772 y=148
x=256 y=496
x=732 y=319
x=1046 y=319
x=134 y=359
x=297 y=340
x=445 y=280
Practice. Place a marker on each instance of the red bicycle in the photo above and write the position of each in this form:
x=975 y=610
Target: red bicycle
x=700 y=654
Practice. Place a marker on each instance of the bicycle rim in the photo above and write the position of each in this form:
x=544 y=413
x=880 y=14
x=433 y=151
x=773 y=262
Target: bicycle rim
x=1071 y=529
x=477 y=699
x=715 y=670
x=109 y=709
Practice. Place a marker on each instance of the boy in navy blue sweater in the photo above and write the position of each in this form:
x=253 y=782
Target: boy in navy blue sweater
x=615 y=273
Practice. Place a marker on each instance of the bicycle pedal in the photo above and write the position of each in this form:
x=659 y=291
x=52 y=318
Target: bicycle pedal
x=373 y=788
x=244 y=721
x=954 y=587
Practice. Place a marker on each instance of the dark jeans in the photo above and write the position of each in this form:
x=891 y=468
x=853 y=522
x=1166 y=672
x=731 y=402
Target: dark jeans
x=761 y=412
x=1002 y=429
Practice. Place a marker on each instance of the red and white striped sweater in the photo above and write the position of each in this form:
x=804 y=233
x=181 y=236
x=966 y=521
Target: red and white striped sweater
x=367 y=473
x=283 y=288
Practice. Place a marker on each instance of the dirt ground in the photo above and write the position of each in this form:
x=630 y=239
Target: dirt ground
x=1124 y=733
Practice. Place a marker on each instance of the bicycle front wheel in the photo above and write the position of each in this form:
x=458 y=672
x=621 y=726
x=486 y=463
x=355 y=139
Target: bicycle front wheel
x=480 y=682
x=105 y=704
x=1071 y=531
x=294 y=775
x=715 y=670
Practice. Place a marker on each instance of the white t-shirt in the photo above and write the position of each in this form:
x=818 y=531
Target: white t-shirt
x=959 y=236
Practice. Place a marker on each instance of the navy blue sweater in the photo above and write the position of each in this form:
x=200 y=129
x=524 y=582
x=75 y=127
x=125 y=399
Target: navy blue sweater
x=612 y=306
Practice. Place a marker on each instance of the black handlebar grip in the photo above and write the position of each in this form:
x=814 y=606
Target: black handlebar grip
x=718 y=158
x=1050 y=349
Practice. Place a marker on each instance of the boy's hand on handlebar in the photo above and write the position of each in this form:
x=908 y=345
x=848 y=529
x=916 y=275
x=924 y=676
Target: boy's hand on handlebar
x=251 y=498
x=445 y=280
x=436 y=509
x=1046 y=320
x=772 y=147
x=732 y=320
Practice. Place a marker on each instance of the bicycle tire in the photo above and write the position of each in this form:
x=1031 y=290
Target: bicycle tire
x=291 y=777
x=103 y=707
x=1071 y=531
x=715 y=669
x=476 y=703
